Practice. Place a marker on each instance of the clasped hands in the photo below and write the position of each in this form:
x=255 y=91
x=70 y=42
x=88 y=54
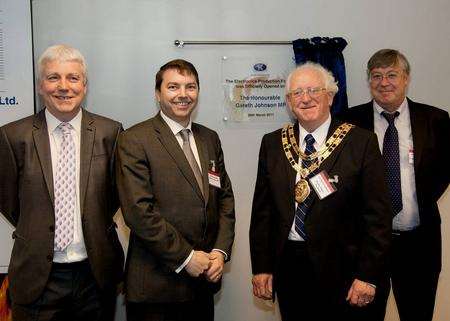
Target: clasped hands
x=208 y=264
x=360 y=293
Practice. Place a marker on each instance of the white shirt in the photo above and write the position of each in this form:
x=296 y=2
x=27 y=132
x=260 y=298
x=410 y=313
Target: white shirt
x=75 y=251
x=320 y=136
x=408 y=218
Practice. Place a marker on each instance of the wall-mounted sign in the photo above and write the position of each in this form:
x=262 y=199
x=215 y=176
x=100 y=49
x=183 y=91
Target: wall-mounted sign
x=254 y=88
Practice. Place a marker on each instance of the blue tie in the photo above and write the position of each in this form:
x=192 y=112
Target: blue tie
x=302 y=208
x=391 y=156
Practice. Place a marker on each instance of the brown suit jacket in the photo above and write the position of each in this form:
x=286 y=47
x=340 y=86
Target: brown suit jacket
x=27 y=201
x=166 y=212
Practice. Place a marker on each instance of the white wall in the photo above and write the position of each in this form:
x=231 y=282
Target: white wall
x=125 y=42
x=16 y=80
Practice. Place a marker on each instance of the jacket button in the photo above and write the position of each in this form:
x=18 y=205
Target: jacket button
x=52 y=228
x=49 y=257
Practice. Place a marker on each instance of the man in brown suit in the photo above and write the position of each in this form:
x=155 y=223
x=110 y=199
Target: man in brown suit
x=57 y=189
x=176 y=198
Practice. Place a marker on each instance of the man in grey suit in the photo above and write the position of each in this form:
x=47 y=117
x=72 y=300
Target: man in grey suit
x=177 y=199
x=57 y=189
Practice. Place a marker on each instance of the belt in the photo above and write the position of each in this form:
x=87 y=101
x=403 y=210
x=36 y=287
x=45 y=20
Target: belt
x=71 y=265
x=295 y=243
x=295 y=246
x=406 y=233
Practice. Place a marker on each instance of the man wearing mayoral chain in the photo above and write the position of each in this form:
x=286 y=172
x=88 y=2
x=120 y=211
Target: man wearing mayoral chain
x=320 y=226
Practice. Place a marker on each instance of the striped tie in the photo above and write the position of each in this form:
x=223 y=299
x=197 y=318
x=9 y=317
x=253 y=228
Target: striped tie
x=302 y=208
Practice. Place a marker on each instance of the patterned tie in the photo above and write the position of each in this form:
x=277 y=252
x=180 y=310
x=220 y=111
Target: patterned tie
x=391 y=157
x=190 y=157
x=65 y=189
x=303 y=208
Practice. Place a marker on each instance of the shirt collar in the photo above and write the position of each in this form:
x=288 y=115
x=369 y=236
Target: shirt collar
x=319 y=134
x=173 y=125
x=400 y=109
x=53 y=122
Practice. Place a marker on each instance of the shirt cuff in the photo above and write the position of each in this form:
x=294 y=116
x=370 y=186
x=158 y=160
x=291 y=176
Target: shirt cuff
x=225 y=255
x=185 y=262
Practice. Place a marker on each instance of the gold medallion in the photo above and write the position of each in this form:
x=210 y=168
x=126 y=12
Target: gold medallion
x=302 y=190
x=289 y=142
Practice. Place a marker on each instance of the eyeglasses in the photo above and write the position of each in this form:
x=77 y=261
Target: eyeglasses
x=378 y=77
x=311 y=92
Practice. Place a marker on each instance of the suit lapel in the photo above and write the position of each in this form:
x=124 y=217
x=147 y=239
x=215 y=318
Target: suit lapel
x=291 y=173
x=328 y=163
x=419 y=132
x=169 y=142
x=42 y=144
x=367 y=120
x=86 y=149
x=202 y=149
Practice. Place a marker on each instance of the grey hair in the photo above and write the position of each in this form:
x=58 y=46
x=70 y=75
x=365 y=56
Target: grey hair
x=331 y=84
x=62 y=53
x=386 y=58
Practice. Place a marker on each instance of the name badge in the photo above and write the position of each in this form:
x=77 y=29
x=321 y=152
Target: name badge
x=214 y=179
x=322 y=185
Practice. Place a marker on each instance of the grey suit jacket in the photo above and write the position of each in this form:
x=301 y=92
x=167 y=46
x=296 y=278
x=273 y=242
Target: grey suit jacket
x=27 y=201
x=166 y=212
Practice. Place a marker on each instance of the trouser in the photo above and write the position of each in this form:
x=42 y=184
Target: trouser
x=71 y=293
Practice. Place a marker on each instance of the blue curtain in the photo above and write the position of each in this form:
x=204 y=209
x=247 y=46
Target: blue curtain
x=327 y=52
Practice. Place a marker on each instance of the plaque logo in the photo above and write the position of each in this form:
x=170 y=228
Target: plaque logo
x=260 y=67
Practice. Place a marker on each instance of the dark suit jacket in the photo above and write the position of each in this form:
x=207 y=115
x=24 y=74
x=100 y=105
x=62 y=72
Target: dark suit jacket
x=430 y=128
x=27 y=201
x=348 y=231
x=166 y=212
